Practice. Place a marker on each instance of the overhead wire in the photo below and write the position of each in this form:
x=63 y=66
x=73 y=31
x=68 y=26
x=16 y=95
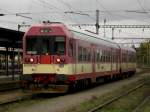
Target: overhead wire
x=39 y=4
x=131 y=35
x=75 y=11
x=16 y=14
x=109 y=12
x=102 y=11
x=105 y=10
x=143 y=9
x=101 y=5
x=59 y=10
x=10 y=13
x=47 y=5
x=70 y=7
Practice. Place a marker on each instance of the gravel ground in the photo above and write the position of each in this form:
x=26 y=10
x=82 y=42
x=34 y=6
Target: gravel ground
x=61 y=103
x=13 y=95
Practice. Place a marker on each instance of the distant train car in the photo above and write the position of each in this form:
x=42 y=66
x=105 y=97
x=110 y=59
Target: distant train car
x=128 y=59
x=56 y=58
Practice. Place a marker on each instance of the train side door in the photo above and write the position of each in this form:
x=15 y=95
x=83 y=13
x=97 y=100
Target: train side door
x=120 y=60
x=93 y=59
x=111 y=59
x=73 y=54
x=117 y=59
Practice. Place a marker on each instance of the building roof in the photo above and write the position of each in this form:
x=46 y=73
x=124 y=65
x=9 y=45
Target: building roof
x=10 y=38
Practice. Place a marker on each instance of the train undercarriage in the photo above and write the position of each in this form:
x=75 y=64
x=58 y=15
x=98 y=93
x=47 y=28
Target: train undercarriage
x=45 y=84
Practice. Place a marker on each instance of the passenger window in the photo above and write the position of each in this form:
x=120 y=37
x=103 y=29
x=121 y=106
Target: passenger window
x=59 y=48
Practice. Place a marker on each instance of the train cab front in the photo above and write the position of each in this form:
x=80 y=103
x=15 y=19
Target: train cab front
x=45 y=56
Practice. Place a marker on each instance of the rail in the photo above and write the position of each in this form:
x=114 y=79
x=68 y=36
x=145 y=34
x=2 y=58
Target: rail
x=116 y=98
x=141 y=104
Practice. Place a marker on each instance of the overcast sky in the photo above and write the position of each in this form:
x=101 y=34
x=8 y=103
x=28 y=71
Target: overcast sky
x=115 y=12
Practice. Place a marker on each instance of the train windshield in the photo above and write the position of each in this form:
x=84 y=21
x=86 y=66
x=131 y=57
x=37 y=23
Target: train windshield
x=44 y=45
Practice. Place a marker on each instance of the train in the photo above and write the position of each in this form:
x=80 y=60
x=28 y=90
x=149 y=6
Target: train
x=57 y=57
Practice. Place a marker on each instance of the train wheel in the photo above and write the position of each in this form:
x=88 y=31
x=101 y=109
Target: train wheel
x=73 y=86
x=86 y=83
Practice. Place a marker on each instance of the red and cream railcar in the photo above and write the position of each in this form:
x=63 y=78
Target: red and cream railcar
x=128 y=58
x=55 y=55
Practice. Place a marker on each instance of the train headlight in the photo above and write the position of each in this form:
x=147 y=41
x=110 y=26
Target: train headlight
x=58 y=60
x=31 y=60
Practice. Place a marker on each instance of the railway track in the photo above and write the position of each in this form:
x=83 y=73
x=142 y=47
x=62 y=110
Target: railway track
x=137 y=109
x=13 y=96
x=29 y=96
x=99 y=107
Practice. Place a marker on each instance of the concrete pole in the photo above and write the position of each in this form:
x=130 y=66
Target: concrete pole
x=112 y=33
x=104 y=27
x=97 y=22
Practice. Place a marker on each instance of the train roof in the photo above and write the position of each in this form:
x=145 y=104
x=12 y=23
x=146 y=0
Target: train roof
x=84 y=35
x=98 y=40
x=90 y=37
x=127 y=48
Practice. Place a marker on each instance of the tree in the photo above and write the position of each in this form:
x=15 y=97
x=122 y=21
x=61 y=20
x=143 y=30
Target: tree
x=143 y=54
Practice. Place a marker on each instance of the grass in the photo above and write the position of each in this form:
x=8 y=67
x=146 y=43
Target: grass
x=146 y=107
x=129 y=102
x=123 y=105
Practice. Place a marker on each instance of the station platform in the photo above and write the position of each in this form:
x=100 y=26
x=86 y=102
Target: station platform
x=9 y=83
x=10 y=89
x=14 y=95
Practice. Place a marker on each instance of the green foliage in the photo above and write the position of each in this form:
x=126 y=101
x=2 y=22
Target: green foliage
x=143 y=54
